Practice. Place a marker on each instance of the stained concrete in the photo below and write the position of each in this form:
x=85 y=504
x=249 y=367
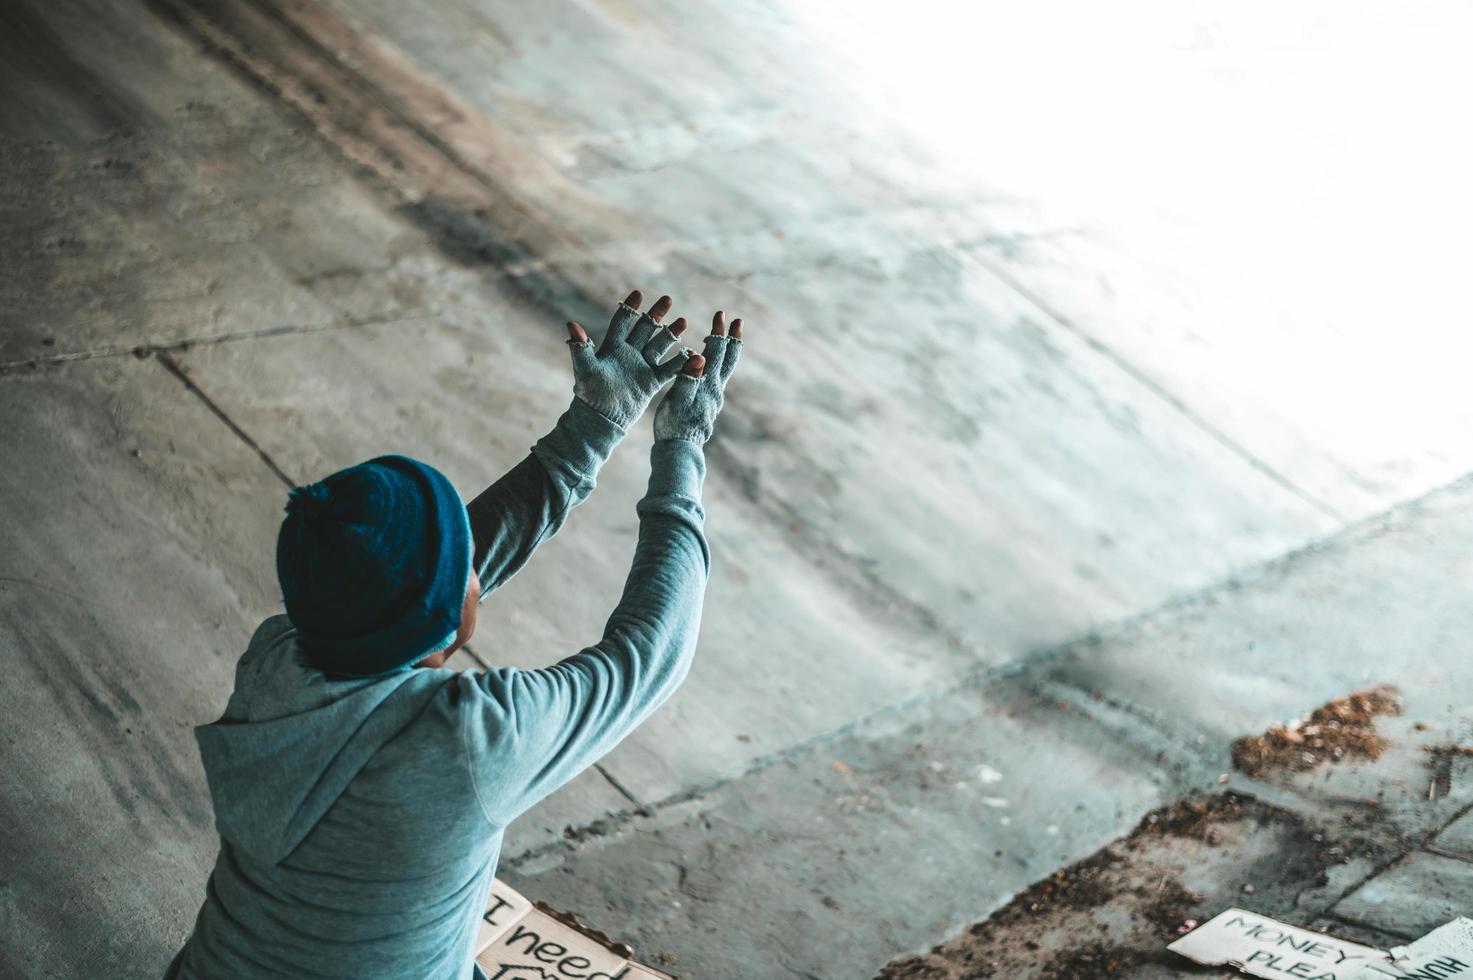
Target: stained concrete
x=333 y=230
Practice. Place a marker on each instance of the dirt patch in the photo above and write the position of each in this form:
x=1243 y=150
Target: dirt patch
x=1093 y=960
x=1340 y=729
x=1112 y=914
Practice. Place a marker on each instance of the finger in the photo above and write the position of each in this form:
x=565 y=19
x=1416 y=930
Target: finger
x=695 y=366
x=576 y=331
x=736 y=328
x=635 y=300
x=715 y=352
x=659 y=345
x=671 y=368
x=729 y=357
x=644 y=330
x=678 y=327
x=718 y=324
x=661 y=307
x=583 y=356
x=620 y=324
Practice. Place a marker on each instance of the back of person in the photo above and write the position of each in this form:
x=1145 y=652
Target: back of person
x=386 y=878
x=361 y=789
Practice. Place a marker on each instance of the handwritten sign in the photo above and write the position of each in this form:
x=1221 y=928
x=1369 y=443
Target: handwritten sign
x=1445 y=952
x=1274 y=950
x=518 y=941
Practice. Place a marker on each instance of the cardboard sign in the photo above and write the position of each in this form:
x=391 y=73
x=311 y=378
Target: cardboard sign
x=1274 y=950
x=1446 y=951
x=519 y=941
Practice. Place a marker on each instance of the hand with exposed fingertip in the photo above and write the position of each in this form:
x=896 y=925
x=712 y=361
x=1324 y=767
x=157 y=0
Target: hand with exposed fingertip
x=623 y=374
x=689 y=408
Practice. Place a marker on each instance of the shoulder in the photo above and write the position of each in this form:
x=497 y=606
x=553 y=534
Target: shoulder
x=272 y=631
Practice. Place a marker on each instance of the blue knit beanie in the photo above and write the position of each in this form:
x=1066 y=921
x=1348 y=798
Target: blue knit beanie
x=373 y=563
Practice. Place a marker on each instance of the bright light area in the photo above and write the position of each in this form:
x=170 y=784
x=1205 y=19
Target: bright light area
x=1277 y=196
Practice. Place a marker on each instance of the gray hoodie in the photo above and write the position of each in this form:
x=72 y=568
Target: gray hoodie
x=360 y=820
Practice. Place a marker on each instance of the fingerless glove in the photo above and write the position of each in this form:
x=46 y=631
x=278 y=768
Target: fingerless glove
x=689 y=409
x=619 y=379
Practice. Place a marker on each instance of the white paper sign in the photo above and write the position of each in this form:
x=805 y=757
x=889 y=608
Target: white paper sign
x=519 y=941
x=1446 y=951
x=1274 y=950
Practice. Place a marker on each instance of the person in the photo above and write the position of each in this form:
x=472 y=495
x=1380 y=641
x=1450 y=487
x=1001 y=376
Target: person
x=361 y=788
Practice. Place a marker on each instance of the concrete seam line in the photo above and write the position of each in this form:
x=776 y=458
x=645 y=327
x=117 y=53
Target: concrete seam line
x=1384 y=866
x=639 y=806
x=1352 y=921
x=476 y=657
x=437 y=160
x=176 y=369
x=186 y=343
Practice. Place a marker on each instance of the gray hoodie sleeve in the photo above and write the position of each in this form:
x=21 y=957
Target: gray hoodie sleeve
x=527 y=732
x=526 y=506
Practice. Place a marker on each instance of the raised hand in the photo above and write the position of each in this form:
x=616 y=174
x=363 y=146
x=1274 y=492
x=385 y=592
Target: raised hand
x=690 y=407
x=619 y=379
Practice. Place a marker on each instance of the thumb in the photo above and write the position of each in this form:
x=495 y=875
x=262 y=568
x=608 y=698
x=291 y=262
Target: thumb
x=679 y=364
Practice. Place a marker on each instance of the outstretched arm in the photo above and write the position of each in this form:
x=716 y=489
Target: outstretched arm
x=529 y=731
x=526 y=506
x=611 y=388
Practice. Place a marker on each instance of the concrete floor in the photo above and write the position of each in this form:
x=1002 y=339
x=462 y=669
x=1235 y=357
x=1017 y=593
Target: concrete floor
x=999 y=399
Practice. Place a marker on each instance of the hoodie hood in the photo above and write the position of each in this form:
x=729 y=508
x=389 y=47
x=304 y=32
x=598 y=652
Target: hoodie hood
x=291 y=740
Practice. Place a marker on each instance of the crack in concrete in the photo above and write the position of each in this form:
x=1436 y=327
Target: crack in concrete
x=176 y=369
x=144 y=350
x=640 y=808
x=1424 y=846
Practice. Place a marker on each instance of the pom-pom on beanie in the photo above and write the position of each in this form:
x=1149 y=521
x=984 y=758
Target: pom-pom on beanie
x=373 y=563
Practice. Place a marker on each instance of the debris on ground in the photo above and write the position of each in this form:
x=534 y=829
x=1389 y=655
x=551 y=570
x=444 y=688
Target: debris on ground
x=1339 y=729
x=1113 y=913
x=1440 y=761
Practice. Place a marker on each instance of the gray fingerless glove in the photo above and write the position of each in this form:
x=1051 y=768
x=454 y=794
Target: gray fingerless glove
x=689 y=408
x=619 y=379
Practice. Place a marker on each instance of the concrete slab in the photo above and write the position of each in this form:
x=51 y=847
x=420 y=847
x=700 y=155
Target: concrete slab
x=1414 y=897
x=1126 y=503
x=1356 y=932
x=133 y=561
x=881 y=841
x=201 y=210
x=1378 y=604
